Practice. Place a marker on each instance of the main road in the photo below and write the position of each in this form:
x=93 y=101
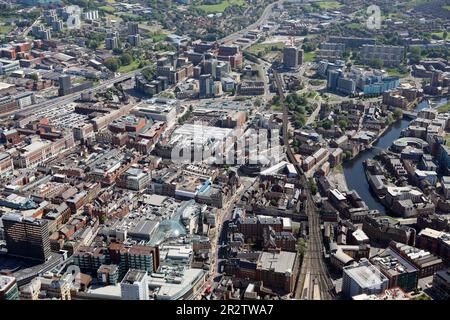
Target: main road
x=263 y=19
x=314 y=281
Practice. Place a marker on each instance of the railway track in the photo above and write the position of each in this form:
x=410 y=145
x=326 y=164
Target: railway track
x=314 y=281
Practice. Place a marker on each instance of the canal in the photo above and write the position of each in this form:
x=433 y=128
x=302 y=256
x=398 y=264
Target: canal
x=354 y=169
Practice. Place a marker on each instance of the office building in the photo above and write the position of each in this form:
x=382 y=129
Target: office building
x=398 y=270
x=134 y=285
x=437 y=242
x=424 y=261
x=363 y=278
x=8 y=288
x=206 y=86
x=333 y=78
x=441 y=283
x=26 y=237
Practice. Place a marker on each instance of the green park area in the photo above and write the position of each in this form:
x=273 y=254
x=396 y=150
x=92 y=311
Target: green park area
x=5 y=29
x=130 y=67
x=444 y=108
x=329 y=5
x=107 y=9
x=263 y=48
x=220 y=7
x=310 y=56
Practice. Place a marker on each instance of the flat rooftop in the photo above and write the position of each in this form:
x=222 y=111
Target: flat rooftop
x=281 y=262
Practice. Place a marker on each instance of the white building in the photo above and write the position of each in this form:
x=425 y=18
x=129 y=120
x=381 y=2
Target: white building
x=134 y=285
x=363 y=278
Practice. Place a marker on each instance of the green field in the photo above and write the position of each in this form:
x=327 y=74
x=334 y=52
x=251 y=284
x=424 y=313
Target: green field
x=131 y=67
x=265 y=47
x=329 y=5
x=446 y=7
x=439 y=34
x=159 y=37
x=130 y=16
x=220 y=7
x=354 y=26
x=5 y=29
x=444 y=108
x=395 y=72
x=310 y=56
x=107 y=9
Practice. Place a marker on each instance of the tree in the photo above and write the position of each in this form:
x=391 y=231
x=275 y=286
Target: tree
x=343 y=124
x=112 y=64
x=117 y=51
x=258 y=102
x=390 y=119
x=347 y=155
x=313 y=186
x=376 y=63
x=415 y=54
x=398 y=113
x=126 y=59
x=327 y=124
x=34 y=77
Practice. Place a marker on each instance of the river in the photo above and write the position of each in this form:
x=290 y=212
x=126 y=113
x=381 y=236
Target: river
x=354 y=169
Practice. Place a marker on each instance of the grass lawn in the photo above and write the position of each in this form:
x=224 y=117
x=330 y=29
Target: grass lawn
x=354 y=26
x=338 y=169
x=131 y=67
x=423 y=296
x=276 y=107
x=220 y=7
x=159 y=37
x=130 y=16
x=394 y=72
x=447 y=140
x=5 y=29
x=444 y=108
x=329 y=5
x=107 y=9
x=264 y=47
x=310 y=56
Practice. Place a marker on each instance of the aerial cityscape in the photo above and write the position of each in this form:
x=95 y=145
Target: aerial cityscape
x=228 y=150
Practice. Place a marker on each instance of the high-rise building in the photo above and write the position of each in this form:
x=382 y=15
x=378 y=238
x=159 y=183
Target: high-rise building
x=291 y=57
x=57 y=25
x=134 y=285
x=26 y=237
x=46 y=34
x=333 y=77
x=8 y=288
x=206 y=86
x=64 y=85
x=301 y=56
x=134 y=40
x=111 y=43
x=133 y=28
